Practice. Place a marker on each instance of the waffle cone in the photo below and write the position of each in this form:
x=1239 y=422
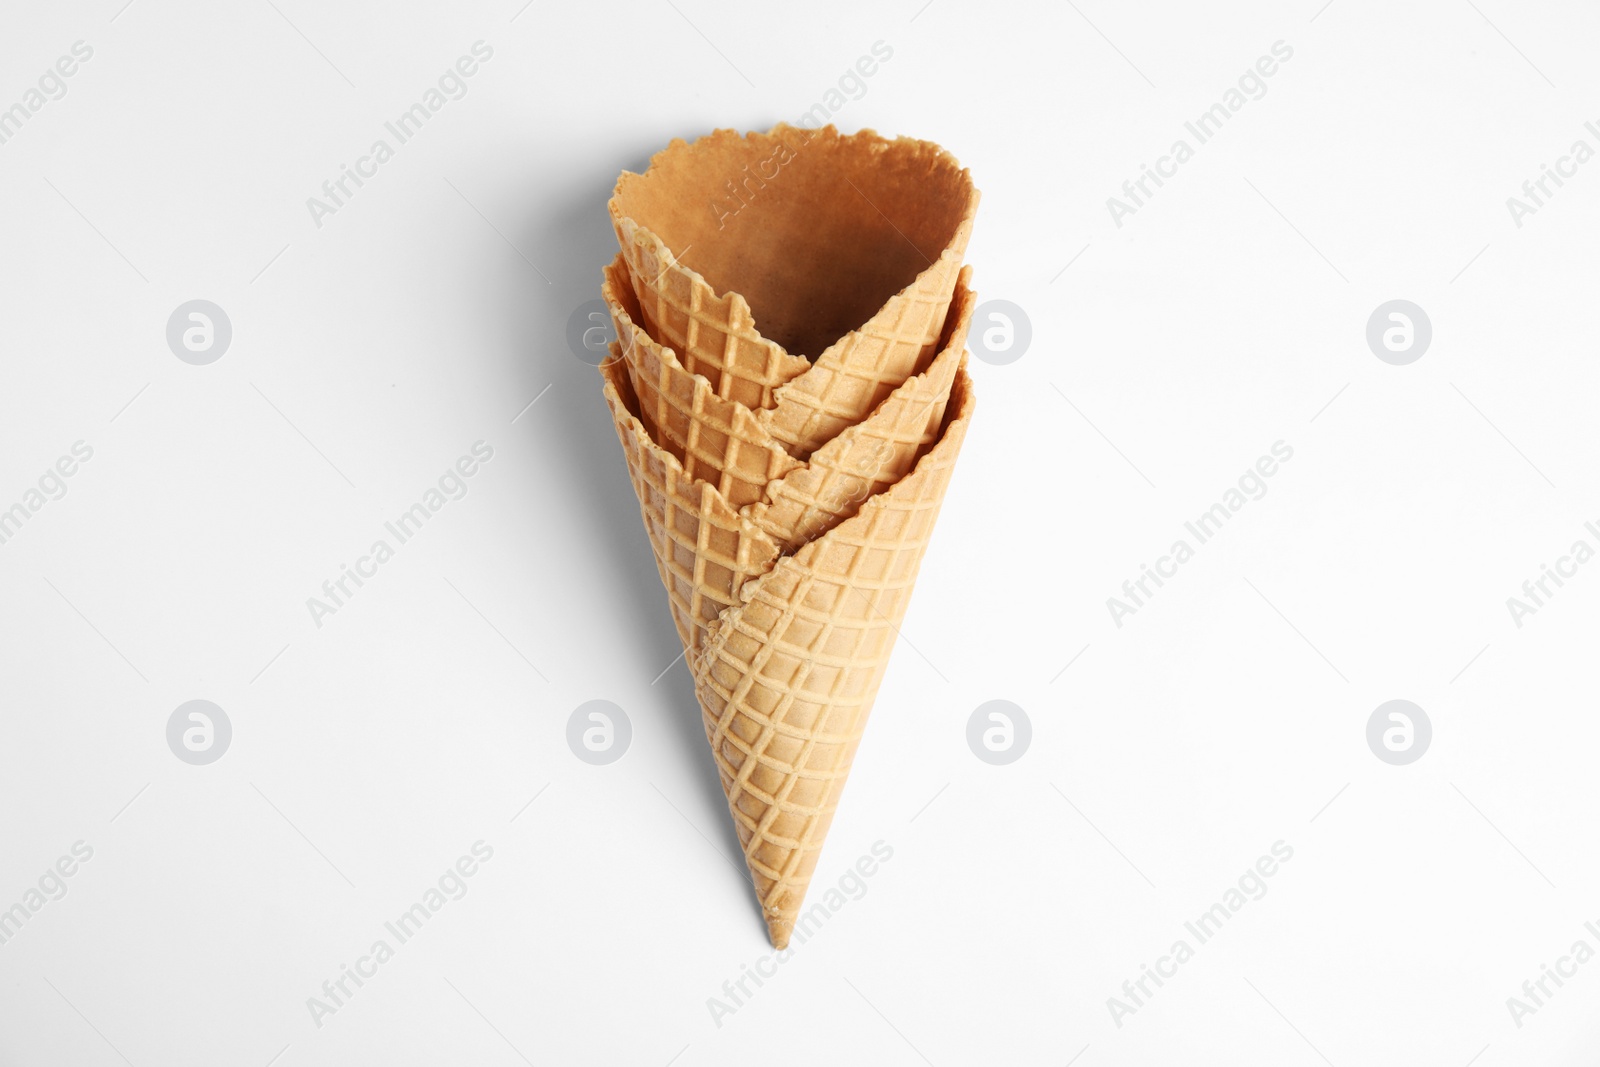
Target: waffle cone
x=789 y=387
x=786 y=678
x=843 y=248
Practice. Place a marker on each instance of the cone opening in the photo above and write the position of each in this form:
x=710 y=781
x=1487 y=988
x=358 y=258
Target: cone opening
x=815 y=230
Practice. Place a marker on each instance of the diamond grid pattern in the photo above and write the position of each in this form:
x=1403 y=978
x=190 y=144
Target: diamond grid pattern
x=715 y=337
x=705 y=551
x=860 y=369
x=718 y=441
x=872 y=455
x=786 y=682
x=803 y=404
x=789 y=504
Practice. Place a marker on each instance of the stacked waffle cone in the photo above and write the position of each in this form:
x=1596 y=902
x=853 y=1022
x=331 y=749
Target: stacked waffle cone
x=790 y=390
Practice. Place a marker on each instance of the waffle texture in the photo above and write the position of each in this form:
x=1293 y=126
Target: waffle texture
x=804 y=404
x=787 y=678
x=716 y=335
x=871 y=455
x=789 y=476
x=705 y=543
x=705 y=550
x=717 y=441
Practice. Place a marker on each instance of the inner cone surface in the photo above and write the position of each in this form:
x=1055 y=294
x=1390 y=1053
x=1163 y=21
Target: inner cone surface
x=815 y=230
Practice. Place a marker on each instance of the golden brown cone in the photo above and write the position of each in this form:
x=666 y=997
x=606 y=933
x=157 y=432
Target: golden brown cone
x=788 y=582
x=787 y=652
x=787 y=677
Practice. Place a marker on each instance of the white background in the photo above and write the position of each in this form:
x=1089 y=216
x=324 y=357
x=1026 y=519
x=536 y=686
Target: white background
x=1228 y=714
